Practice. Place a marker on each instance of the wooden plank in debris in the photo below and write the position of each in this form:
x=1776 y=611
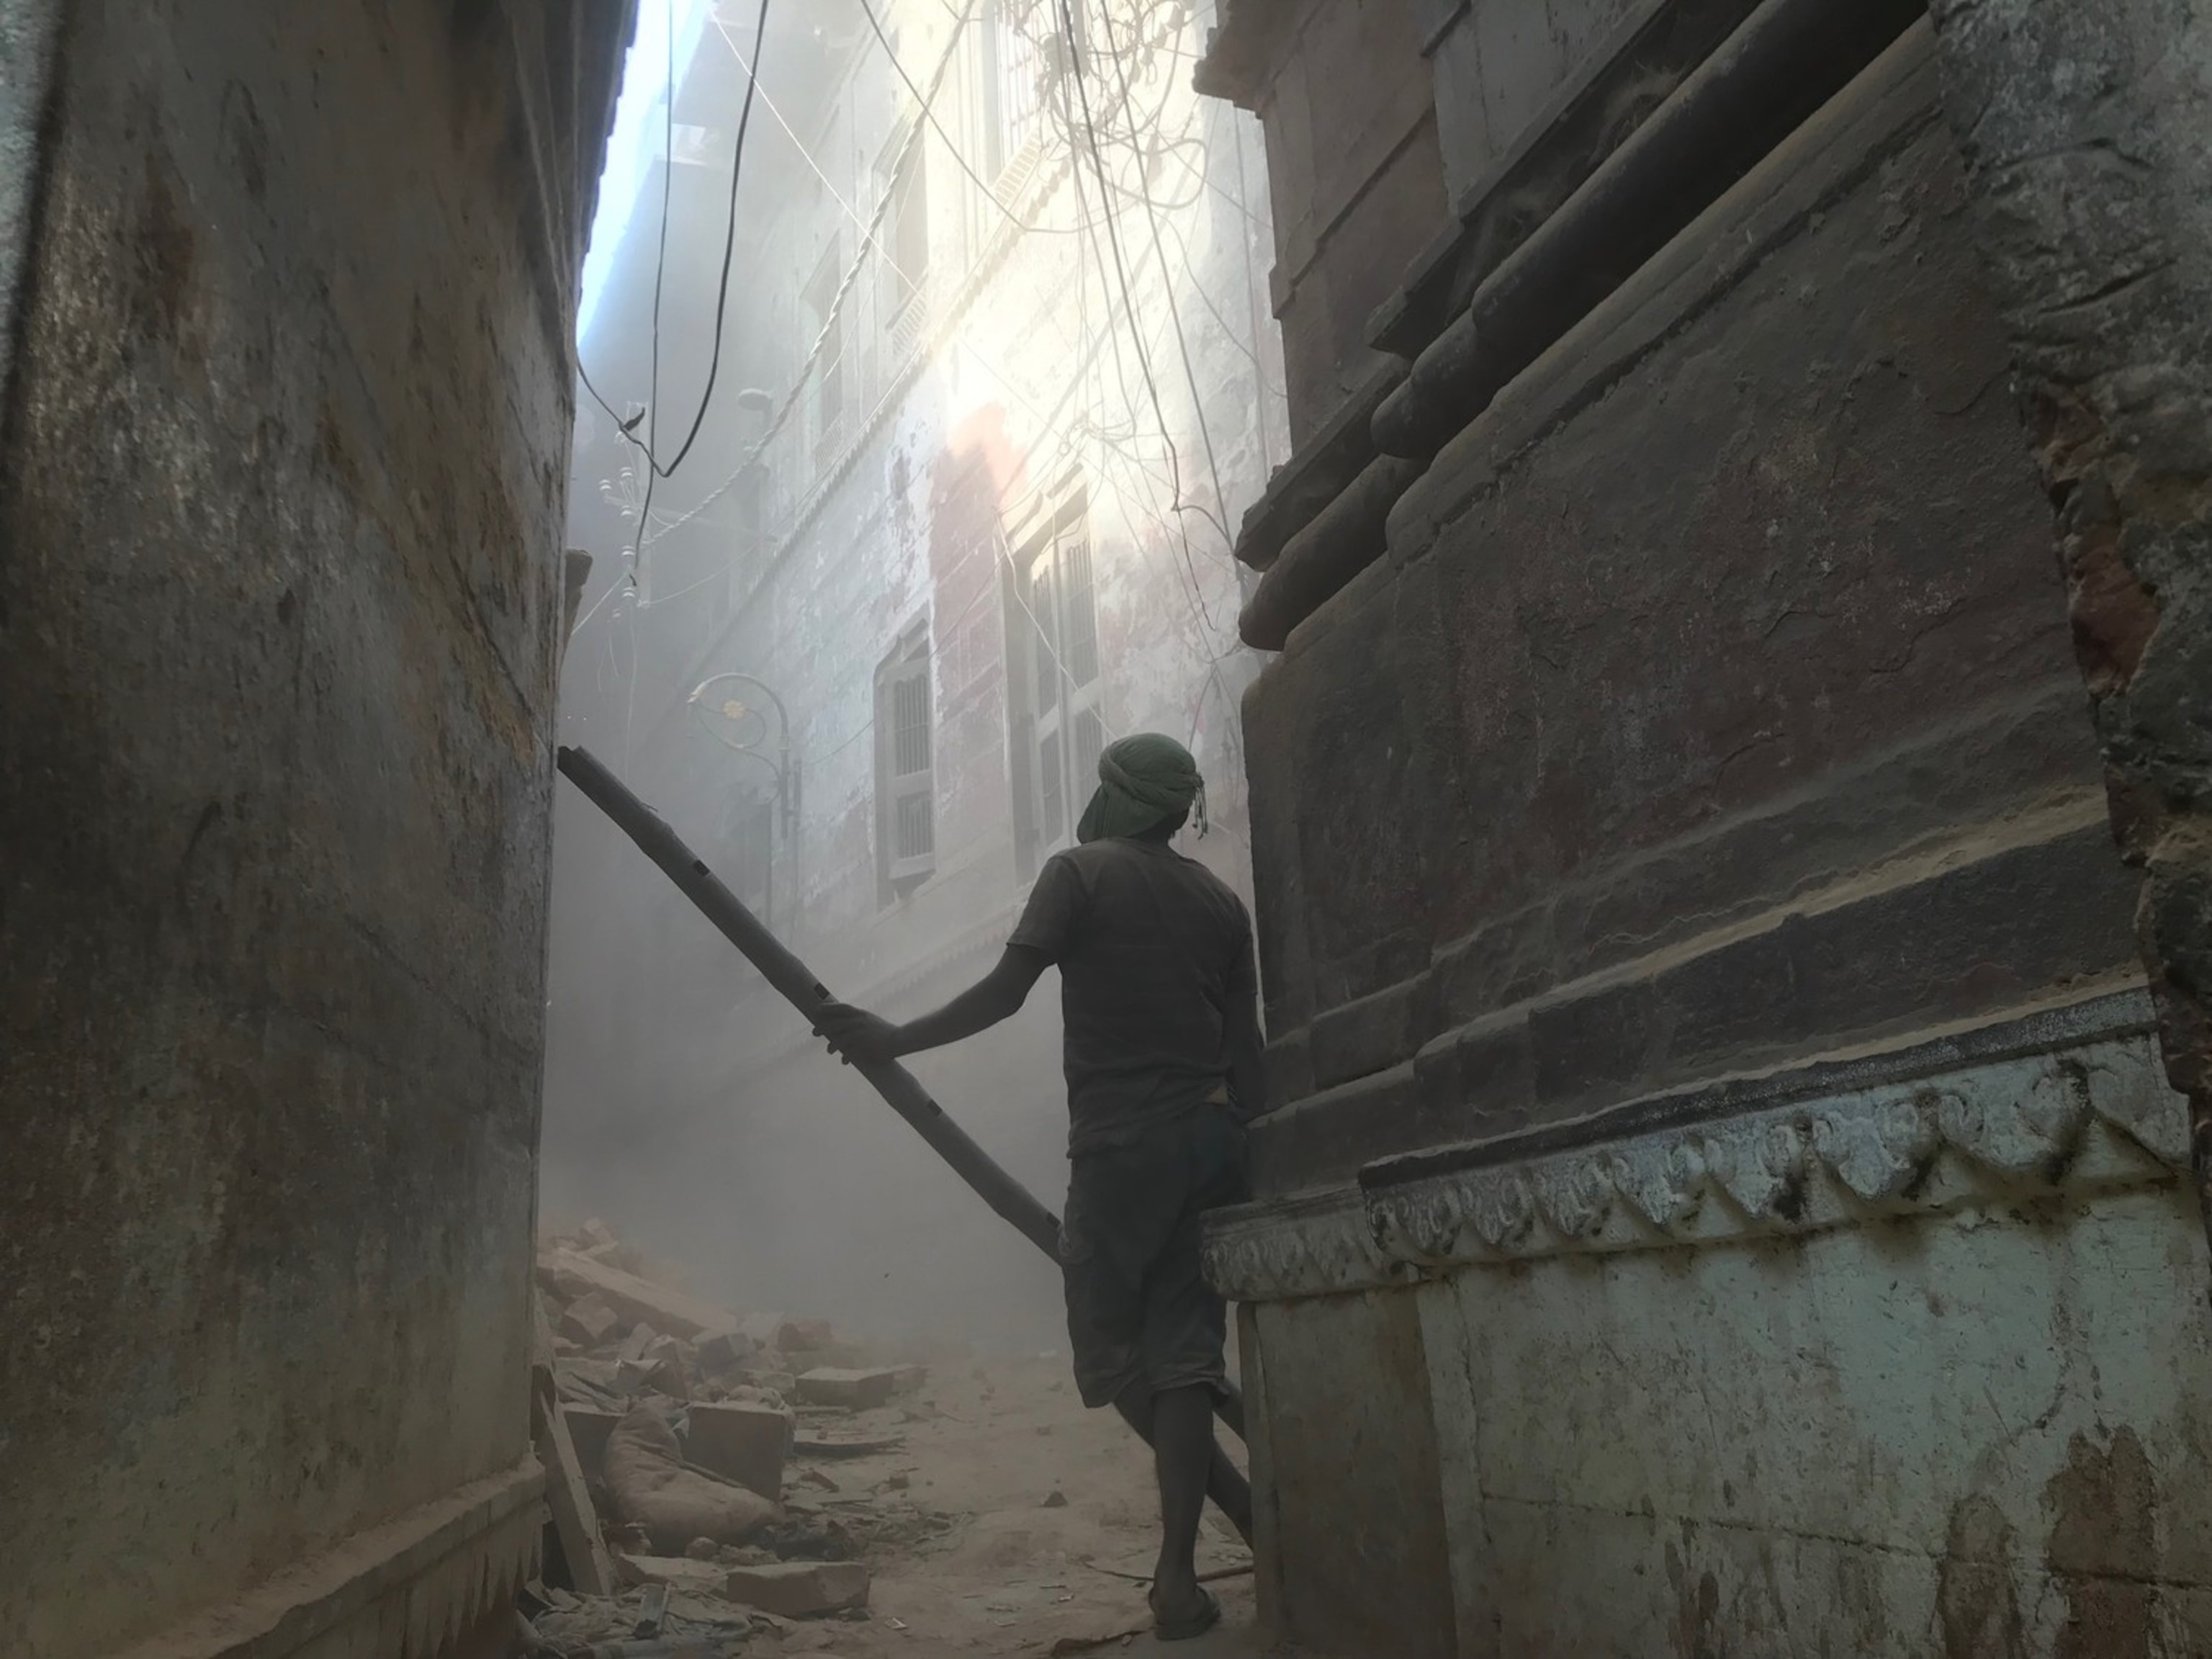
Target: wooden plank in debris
x=541 y=1348
x=574 y=1523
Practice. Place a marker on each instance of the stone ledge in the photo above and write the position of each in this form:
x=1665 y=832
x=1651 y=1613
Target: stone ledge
x=1876 y=955
x=414 y=1585
x=1593 y=111
x=1826 y=158
x=1327 y=464
x=2087 y=1111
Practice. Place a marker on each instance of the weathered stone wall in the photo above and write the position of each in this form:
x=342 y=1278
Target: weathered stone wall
x=1726 y=715
x=1348 y=109
x=1496 y=67
x=1896 y=1358
x=280 y=512
x=2085 y=128
x=1728 y=1161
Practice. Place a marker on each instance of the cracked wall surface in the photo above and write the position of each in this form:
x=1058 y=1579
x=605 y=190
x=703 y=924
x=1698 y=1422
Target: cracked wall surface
x=1710 y=1010
x=1725 y=711
x=281 y=496
x=2085 y=128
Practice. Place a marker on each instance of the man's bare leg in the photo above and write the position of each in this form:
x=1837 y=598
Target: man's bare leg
x=1183 y=1448
x=1224 y=1482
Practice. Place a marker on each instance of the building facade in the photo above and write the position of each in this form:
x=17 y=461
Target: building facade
x=1733 y=1196
x=998 y=380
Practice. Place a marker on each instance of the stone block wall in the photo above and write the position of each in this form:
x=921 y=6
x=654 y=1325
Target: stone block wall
x=1725 y=715
x=1727 y=1157
x=280 y=500
x=1353 y=165
x=2084 y=132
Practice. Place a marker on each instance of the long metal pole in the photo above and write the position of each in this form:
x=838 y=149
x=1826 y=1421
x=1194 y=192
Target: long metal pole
x=897 y=1085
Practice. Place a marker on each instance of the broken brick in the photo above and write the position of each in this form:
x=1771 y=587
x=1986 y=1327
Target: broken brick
x=855 y=1391
x=725 y=1351
x=805 y=1335
x=590 y=1321
x=589 y=1427
x=665 y=1365
x=596 y=1234
x=680 y=1571
x=795 y=1590
x=575 y=1275
x=746 y=1443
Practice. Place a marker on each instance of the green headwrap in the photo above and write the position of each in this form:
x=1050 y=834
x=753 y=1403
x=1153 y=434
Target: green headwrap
x=1143 y=781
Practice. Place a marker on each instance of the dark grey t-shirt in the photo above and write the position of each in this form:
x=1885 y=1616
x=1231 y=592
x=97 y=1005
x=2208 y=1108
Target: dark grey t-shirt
x=1153 y=950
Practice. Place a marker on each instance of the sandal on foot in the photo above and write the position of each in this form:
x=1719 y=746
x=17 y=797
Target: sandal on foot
x=1191 y=1625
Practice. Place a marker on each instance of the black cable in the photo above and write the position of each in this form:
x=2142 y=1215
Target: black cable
x=852 y=273
x=627 y=428
x=729 y=236
x=1167 y=288
x=652 y=412
x=623 y=426
x=1129 y=304
x=930 y=115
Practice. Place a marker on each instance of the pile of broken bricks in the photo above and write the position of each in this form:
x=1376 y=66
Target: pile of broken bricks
x=669 y=1428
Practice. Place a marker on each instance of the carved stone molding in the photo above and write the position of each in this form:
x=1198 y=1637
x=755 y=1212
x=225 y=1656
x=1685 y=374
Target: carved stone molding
x=2098 y=1116
x=1299 y=1247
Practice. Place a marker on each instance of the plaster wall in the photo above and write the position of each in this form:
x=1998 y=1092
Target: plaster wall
x=280 y=514
x=1798 y=1266
x=1975 y=1435
x=1893 y=1356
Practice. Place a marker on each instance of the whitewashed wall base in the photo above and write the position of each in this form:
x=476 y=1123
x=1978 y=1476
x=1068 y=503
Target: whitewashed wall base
x=2095 y=1116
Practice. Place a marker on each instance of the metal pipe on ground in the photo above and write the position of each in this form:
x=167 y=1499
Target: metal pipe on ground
x=796 y=982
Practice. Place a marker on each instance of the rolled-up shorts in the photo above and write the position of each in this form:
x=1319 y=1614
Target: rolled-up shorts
x=1139 y=1313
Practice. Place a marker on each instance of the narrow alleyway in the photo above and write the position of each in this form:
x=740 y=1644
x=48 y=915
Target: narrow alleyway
x=1508 y=702
x=986 y=1510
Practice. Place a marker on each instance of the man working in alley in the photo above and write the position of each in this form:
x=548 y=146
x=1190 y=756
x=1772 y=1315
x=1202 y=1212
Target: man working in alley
x=1159 y=1001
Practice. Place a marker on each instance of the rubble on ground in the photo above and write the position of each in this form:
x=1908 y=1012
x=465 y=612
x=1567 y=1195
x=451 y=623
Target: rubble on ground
x=684 y=1508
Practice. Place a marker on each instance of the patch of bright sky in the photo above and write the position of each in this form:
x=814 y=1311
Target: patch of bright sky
x=635 y=145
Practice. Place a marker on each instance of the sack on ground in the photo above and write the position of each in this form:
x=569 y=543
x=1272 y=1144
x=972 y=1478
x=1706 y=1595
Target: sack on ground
x=649 y=1485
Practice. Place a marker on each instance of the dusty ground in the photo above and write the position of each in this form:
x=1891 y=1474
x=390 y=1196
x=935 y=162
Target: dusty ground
x=995 y=1514
x=1018 y=1572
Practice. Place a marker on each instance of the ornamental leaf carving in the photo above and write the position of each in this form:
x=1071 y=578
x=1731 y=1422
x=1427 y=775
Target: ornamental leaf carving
x=1881 y=1153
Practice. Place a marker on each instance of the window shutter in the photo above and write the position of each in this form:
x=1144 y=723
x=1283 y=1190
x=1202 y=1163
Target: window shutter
x=906 y=740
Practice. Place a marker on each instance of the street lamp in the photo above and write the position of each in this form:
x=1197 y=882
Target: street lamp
x=734 y=708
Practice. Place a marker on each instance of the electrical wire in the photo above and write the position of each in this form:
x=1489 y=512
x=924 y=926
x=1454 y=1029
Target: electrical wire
x=729 y=236
x=868 y=237
x=1129 y=304
x=1201 y=614
x=929 y=114
x=1167 y=287
x=650 y=413
x=844 y=286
